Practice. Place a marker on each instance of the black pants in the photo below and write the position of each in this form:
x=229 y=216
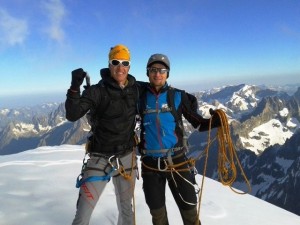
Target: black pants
x=181 y=186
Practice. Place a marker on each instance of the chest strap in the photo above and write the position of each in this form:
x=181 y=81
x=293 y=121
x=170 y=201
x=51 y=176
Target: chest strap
x=148 y=111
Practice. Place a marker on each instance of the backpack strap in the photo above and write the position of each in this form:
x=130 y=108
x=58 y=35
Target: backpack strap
x=171 y=103
x=138 y=88
x=176 y=114
x=142 y=103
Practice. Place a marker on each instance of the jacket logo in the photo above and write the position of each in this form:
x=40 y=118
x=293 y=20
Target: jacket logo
x=164 y=106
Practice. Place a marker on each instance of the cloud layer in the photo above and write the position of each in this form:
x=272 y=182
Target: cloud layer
x=14 y=30
x=55 y=11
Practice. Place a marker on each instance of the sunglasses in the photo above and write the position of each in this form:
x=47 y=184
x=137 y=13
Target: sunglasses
x=116 y=62
x=155 y=70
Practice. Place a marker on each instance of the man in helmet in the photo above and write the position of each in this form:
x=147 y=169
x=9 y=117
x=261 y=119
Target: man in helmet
x=162 y=144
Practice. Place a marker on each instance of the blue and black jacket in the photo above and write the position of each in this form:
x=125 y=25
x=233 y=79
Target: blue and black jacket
x=160 y=129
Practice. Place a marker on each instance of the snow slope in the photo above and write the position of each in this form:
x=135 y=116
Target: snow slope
x=38 y=188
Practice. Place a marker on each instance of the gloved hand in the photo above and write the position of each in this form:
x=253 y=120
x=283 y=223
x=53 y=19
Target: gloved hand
x=211 y=112
x=216 y=122
x=78 y=76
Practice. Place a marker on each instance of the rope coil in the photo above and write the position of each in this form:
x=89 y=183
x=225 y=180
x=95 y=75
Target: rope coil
x=227 y=156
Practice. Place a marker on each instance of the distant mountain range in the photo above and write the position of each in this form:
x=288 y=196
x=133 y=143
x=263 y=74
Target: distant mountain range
x=45 y=125
x=264 y=123
x=265 y=130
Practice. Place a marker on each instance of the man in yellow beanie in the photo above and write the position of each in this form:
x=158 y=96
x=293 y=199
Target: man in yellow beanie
x=119 y=55
x=112 y=107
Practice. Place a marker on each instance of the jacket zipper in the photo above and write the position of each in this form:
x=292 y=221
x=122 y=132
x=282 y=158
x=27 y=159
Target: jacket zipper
x=158 y=124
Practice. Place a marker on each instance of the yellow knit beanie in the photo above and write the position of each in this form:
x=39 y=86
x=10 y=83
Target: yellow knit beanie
x=120 y=52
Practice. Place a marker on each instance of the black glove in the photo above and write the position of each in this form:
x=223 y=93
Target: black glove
x=212 y=112
x=216 y=122
x=78 y=76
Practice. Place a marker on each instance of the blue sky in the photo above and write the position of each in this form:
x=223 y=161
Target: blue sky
x=209 y=42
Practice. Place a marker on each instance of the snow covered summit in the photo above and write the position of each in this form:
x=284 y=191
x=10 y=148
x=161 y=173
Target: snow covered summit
x=38 y=188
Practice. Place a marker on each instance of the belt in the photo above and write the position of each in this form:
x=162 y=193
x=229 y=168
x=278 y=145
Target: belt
x=167 y=150
x=169 y=155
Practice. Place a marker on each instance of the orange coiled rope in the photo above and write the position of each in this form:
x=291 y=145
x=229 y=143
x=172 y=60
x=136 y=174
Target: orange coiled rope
x=227 y=157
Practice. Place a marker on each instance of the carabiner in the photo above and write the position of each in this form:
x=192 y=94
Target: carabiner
x=158 y=165
x=110 y=159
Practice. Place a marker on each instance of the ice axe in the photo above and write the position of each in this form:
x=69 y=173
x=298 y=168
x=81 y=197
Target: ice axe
x=87 y=81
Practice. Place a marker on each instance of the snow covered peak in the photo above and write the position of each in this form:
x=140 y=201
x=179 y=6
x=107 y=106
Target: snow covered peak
x=4 y=112
x=265 y=135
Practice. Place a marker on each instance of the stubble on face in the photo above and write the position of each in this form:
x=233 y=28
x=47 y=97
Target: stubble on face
x=119 y=73
x=158 y=80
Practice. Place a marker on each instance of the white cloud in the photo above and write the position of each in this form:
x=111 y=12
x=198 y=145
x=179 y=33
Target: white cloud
x=56 y=12
x=13 y=30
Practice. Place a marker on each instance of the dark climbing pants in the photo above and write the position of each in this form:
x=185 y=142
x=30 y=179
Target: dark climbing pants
x=181 y=186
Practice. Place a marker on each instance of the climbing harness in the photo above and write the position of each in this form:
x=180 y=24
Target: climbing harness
x=165 y=151
x=169 y=166
x=172 y=168
x=115 y=164
x=80 y=180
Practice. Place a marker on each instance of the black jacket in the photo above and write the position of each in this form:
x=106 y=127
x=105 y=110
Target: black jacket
x=112 y=111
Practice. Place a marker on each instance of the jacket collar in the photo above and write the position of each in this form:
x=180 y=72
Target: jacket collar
x=163 y=89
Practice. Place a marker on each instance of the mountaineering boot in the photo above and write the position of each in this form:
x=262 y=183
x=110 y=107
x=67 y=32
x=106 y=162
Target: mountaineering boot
x=159 y=216
x=189 y=217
